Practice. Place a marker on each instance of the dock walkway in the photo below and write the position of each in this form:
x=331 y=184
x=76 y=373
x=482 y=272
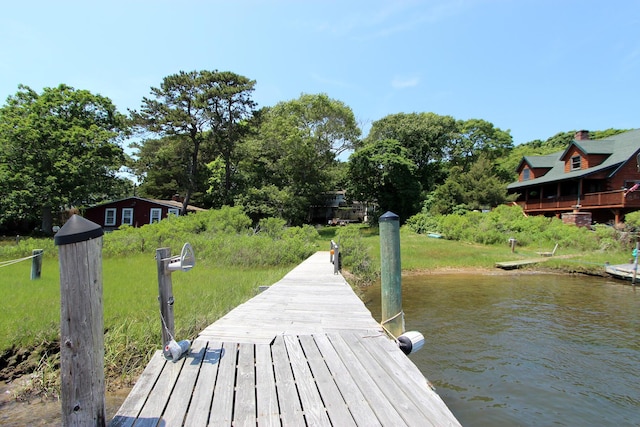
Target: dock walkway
x=306 y=351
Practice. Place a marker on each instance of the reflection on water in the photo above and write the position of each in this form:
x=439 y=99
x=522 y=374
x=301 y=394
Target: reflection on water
x=533 y=350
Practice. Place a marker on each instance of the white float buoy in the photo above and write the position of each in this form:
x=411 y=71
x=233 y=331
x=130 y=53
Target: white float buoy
x=176 y=349
x=410 y=342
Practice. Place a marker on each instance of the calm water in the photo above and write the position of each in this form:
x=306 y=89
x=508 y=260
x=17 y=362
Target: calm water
x=530 y=350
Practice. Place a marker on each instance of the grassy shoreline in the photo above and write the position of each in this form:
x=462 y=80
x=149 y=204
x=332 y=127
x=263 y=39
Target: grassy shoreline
x=29 y=327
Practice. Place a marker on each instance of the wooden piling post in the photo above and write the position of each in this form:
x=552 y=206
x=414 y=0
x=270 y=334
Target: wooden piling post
x=165 y=298
x=79 y=244
x=391 y=274
x=635 y=264
x=36 y=263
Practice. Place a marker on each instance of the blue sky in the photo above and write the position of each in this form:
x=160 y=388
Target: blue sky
x=534 y=67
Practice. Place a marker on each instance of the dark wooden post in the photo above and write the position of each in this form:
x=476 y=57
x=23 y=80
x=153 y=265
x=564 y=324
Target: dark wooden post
x=391 y=274
x=337 y=260
x=165 y=297
x=36 y=263
x=81 y=323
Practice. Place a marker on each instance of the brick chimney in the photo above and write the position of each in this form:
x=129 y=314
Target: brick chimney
x=177 y=198
x=582 y=135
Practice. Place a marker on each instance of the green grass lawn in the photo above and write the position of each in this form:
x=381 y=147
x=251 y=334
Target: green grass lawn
x=31 y=308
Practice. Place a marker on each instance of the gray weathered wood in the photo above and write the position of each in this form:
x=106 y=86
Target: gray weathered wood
x=222 y=405
x=165 y=297
x=36 y=263
x=160 y=394
x=244 y=408
x=82 y=333
x=290 y=409
x=312 y=404
x=383 y=376
x=266 y=395
x=200 y=407
x=333 y=400
x=130 y=409
x=306 y=351
x=175 y=412
x=386 y=411
x=354 y=397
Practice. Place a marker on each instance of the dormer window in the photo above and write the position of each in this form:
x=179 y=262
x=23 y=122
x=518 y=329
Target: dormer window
x=526 y=174
x=575 y=163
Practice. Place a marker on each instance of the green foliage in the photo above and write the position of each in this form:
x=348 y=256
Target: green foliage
x=199 y=116
x=382 y=172
x=224 y=235
x=355 y=255
x=272 y=227
x=505 y=222
x=58 y=149
x=478 y=188
x=290 y=161
x=632 y=220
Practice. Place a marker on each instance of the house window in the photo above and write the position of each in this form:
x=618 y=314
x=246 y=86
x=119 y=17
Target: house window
x=174 y=211
x=127 y=216
x=155 y=216
x=526 y=174
x=110 y=216
x=575 y=163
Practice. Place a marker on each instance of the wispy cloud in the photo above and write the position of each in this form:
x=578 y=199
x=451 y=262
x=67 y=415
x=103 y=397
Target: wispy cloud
x=330 y=82
x=403 y=82
x=384 y=19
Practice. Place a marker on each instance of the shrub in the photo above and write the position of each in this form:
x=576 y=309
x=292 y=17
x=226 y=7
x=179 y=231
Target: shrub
x=506 y=222
x=355 y=255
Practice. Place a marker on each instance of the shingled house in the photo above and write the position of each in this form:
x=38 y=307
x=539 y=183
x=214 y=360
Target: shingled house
x=591 y=180
x=134 y=211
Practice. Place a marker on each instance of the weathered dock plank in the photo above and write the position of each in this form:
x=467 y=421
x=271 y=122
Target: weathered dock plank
x=200 y=406
x=266 y=395
x=304 y=352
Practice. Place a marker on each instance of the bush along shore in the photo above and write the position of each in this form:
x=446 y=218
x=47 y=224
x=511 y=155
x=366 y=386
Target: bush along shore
x=236 y=257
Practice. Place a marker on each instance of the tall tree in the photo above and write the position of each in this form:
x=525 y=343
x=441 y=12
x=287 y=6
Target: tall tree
x=58 y=149
x=200 y=111
x=295 y=151
x=383 y=173
x=477 y=137
x=477 y=188
x=426 y=136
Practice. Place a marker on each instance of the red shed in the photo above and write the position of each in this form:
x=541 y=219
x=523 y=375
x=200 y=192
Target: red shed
x=134 y=211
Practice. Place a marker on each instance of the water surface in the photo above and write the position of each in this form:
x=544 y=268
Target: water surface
x=528 y=349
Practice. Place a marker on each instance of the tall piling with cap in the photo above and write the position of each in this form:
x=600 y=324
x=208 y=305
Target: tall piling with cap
x=391 y=274
x=82 y=390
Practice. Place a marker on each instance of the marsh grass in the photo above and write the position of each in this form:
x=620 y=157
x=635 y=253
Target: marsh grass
x=31 y=309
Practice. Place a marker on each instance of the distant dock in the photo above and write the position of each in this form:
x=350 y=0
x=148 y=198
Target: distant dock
x=306 y=351
x=510 y=265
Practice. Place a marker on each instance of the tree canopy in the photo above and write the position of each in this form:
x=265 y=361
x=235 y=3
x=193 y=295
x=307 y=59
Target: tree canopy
x=58 y=149
x=383 y=173
x=194 y=113
x=292 y=159
x=201 y=136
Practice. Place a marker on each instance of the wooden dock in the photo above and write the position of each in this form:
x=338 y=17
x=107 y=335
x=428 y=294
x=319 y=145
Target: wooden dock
x=623 y=271
x=510 y=265
x=304 y=352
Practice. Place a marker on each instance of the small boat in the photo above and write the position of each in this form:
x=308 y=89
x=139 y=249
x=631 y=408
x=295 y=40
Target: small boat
x=622 y=271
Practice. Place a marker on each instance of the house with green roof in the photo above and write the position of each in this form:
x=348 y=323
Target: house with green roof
x=590 y=181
